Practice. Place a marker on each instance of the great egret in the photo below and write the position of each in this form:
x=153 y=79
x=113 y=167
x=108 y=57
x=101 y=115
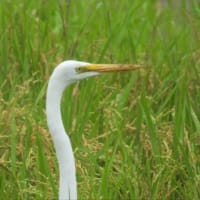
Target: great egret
x=64 y=74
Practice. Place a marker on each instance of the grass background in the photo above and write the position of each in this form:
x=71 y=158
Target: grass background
x=135 y=135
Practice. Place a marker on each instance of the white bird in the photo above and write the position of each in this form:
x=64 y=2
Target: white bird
x=64 y=74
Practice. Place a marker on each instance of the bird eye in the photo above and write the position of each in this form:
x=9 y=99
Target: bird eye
x=79 y=69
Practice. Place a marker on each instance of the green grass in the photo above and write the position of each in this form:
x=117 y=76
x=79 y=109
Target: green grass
x=135 y=135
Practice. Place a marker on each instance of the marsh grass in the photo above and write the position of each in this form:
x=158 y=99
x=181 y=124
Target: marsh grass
x=135 y=135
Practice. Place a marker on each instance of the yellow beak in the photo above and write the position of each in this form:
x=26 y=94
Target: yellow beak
x=110 y=67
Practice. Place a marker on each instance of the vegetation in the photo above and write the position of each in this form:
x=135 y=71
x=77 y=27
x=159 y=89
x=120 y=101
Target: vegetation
x=135 y=135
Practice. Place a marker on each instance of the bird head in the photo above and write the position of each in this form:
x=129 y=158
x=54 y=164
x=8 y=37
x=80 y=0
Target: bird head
x=72 y=71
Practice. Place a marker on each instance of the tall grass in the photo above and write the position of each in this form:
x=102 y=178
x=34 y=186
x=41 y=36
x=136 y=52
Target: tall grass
x=135 y=135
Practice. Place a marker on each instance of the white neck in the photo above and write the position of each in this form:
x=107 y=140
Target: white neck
x=64 y=152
